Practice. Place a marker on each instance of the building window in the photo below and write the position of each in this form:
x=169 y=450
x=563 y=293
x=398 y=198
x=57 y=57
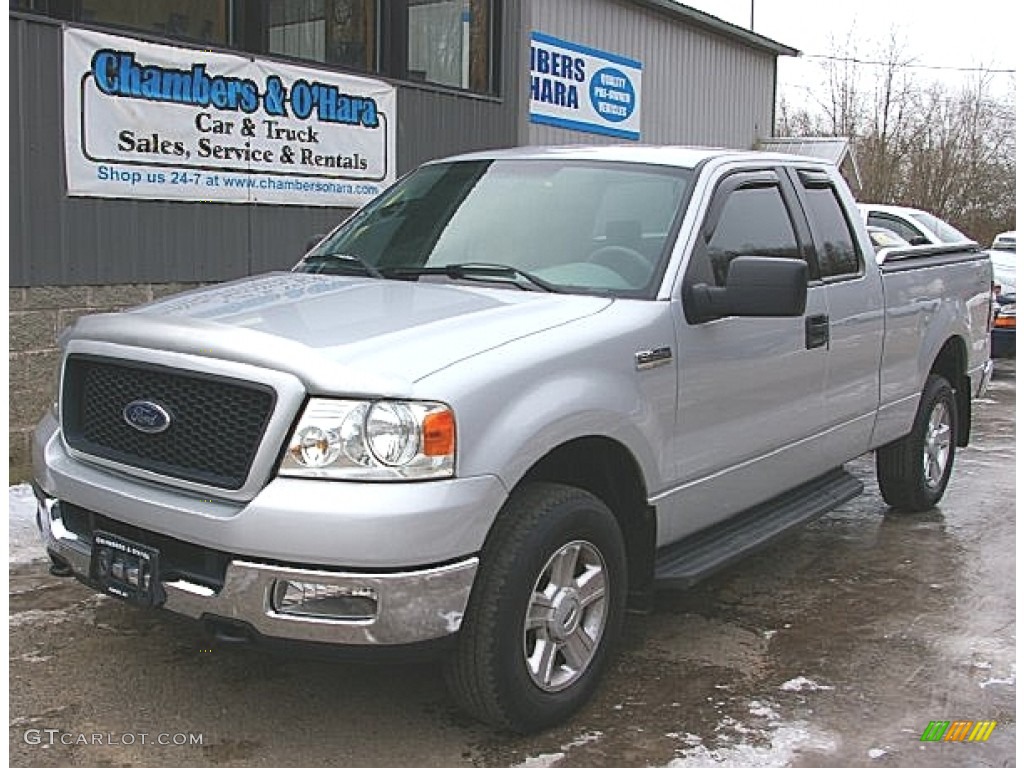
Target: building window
x=450 y=43
x=332 y=31
x=200 y=20
x=33 y=6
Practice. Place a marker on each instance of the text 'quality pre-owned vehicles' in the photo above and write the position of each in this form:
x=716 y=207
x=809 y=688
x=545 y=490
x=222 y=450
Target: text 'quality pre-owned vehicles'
x=499 y=404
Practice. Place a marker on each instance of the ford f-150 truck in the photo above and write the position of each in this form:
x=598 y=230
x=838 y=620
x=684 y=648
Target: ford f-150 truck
x=496 y=407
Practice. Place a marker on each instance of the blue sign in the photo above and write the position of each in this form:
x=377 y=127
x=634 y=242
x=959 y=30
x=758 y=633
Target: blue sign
x=584 y=89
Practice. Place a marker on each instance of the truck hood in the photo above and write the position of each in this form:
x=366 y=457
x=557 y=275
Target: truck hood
x=375 y=336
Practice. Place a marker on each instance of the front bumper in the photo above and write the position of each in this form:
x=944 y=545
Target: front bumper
x=357 y=526
x=410 y=606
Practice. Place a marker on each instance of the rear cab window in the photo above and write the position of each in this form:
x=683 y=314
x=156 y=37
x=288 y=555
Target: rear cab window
x=838 y=253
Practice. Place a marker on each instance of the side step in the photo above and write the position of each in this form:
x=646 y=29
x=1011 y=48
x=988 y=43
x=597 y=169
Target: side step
x=683 y=564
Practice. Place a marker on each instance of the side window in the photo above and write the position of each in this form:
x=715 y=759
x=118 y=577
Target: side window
x=901 y=228
x=754 y=222
x=837 y=250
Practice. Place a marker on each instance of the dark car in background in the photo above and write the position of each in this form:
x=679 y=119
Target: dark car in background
x=1004 y=287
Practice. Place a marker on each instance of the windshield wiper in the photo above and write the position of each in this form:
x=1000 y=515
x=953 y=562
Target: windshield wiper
x=476 y=271
x=345 y=258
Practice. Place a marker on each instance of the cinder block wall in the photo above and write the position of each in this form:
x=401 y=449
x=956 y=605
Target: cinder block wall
x=37 y=316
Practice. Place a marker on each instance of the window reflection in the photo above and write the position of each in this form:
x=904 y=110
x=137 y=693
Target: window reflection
x=335 y=31
x=203 y=20
x=449 y=42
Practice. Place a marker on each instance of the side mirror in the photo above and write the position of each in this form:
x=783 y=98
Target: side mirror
x=755 y=286
x=920 y=240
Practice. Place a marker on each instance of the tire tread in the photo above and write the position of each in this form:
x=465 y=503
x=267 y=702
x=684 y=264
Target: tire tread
x=470 y=671
x=898 y=464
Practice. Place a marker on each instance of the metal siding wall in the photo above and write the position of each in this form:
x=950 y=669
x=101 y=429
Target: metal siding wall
x=60 y=240
x=698 y=87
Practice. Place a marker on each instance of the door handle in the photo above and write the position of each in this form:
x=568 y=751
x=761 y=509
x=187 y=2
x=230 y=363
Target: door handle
x=816 y=331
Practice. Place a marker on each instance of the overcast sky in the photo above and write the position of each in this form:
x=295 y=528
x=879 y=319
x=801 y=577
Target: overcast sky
x=938 y=33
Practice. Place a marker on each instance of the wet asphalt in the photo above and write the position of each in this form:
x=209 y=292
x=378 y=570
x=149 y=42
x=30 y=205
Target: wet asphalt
x=838 y=645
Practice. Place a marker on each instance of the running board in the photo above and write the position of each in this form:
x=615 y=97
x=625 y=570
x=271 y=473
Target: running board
x=683 y=564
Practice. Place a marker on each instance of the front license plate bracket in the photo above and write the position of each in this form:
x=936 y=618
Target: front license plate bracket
x=126 y=569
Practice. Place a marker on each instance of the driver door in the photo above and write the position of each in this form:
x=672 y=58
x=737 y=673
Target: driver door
x=750 y=389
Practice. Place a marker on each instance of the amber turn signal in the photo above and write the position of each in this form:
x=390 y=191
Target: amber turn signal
x=439 y=434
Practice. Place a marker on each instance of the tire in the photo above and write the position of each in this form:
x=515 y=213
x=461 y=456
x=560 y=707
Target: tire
x=546 y=610
x=913 y=471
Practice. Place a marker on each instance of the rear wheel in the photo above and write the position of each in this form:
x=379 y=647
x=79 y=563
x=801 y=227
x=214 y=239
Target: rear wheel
x=545 y=611
x=913 y=471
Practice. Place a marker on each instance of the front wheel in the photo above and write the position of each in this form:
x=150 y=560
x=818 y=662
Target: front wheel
x=546 y=609
x=913 y=471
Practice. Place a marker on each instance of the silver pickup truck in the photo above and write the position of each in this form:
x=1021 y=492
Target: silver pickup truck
x=495 y=408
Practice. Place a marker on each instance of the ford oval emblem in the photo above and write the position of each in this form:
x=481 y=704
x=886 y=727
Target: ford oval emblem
x=146 y=416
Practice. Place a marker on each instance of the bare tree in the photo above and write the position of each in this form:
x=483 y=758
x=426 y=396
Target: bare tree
x=951 y=151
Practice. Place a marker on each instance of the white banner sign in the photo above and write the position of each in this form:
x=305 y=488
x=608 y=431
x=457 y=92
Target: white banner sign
x=583 y=89
x=152 y=121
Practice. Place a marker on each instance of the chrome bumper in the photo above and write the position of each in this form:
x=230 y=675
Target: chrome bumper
x=411 y=606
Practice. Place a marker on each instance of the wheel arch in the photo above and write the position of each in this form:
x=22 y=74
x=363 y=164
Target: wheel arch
x=951 y=364
x=607 y=469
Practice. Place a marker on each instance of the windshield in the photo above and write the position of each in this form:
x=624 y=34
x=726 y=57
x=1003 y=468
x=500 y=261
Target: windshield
x=1007 y=241
x=942 y=230
x=571 y=226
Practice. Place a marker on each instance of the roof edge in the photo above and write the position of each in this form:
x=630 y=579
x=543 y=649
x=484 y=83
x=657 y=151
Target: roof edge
x=715 y=24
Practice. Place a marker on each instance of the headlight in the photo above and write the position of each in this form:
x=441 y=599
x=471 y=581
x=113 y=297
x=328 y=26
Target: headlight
x=372 y=440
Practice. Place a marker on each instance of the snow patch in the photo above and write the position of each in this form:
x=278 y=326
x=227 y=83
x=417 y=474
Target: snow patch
x=586 y=738
x=690 y=739
x=734 y=724
x=786 y=743
x=876 y=753
x=804 y=684
x=760 y=709
x=1011 y=680
x=25 y=545
x=36 y=616
x=541 y=761
x=33 y=658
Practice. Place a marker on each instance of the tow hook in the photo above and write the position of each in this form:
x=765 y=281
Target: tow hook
x=60 y=568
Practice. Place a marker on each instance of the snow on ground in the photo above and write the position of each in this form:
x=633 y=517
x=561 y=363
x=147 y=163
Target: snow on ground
x=786 y=742
x=24 y=545
x=1011 y=680
x=541 y=761
x=803 y=684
